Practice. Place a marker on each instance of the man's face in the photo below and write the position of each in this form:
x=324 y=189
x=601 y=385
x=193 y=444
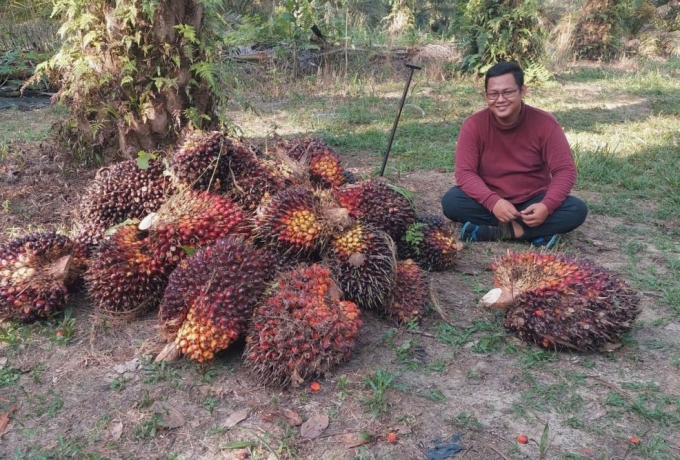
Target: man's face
x=507 y=105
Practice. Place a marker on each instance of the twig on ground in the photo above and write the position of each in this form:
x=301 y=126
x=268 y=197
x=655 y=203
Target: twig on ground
x=610 y=385
x=426 y=334
x=497 y=451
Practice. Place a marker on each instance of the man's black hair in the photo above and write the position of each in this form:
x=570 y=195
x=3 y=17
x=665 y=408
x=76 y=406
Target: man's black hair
x=502 y=68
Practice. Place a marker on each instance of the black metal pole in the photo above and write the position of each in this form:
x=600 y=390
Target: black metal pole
x=413 y=67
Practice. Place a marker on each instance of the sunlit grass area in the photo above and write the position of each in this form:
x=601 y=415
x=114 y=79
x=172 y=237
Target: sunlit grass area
x=622 y=126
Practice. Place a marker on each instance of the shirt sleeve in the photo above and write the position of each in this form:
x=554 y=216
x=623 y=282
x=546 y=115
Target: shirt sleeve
x=560 y=161
x=468 y=156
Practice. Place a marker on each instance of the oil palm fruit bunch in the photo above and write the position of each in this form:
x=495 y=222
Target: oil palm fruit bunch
x=431 y=242
x=298 y=222
x=124 y=278
x=201 y=161
x=119 y=192
x=255 y=180
x=35 y=272
x=210 y=297
x=362 y=260
x=192 y=219
x=410 y=294
x=558 y=301
x=301 y=328
x=323 y=163
x=376 y=203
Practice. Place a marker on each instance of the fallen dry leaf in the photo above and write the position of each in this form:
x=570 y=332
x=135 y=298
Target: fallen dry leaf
x=292 y=417
x=4 y=419
x=355 y=439
x=115 y=430
x=314 y=426
x=235 y=418
x=169 y=416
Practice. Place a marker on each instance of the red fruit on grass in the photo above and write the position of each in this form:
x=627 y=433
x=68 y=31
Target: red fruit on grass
x=315 y=386
x=634 y=440
x=392 y=438
x=522 y=439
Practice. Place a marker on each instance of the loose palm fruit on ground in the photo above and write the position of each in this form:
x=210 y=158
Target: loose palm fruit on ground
x=362 y=260
x=119 y=192
x=558 y=301
x=124 y=278
x=201 y=161
x=301 y=329
x=210 y=296
x=191 y=220
x=323 y=163
x=431 y=243
x=410 y=294
x=376 y=203
x=35 y=272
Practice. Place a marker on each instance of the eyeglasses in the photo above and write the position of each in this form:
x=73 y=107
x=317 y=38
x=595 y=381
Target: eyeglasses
x=507 y=94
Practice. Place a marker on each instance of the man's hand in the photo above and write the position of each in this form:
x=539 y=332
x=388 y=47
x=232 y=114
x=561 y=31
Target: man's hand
x=505 y=211
x=535 y=214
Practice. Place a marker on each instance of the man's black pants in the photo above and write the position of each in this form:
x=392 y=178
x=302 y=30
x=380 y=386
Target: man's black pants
x=459 y=207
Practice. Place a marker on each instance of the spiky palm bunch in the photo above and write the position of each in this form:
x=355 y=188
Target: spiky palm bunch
x=301 y=329
x=556 y=300
x=211 y=295
x=35 y=272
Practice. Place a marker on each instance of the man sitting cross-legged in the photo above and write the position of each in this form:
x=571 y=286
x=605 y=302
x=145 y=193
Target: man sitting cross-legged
x=514 y=169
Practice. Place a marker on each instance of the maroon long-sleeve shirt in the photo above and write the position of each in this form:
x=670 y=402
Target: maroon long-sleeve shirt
x=515 y=162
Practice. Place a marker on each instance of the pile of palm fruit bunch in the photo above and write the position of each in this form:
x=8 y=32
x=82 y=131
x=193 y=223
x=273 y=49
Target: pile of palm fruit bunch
x=282 y=247
x=558 y=301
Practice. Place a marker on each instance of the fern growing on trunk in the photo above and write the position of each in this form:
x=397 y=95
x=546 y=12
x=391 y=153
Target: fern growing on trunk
x=135 y=72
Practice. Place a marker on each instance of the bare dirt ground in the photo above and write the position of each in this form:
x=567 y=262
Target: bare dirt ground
x=85 y=387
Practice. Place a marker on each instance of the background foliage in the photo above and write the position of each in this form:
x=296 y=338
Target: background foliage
x=125 y=87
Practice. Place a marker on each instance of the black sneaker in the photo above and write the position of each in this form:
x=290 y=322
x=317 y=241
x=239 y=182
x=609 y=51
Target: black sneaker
x=545 y=241
x=468 y=232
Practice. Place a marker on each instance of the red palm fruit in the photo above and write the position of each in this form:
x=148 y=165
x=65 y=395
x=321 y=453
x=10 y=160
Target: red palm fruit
x=431 y=243
x=323 y=163
x=362 y=260
x=210 y=296
x=124 y=278
x=558 y=301
x=410 y=294
x=35 y=271
x=191 y=220
x=376 y=203
x=201 y=161
x=301 y=329
x=119 y=192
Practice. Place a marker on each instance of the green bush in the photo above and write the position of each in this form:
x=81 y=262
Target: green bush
x=493 y=30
